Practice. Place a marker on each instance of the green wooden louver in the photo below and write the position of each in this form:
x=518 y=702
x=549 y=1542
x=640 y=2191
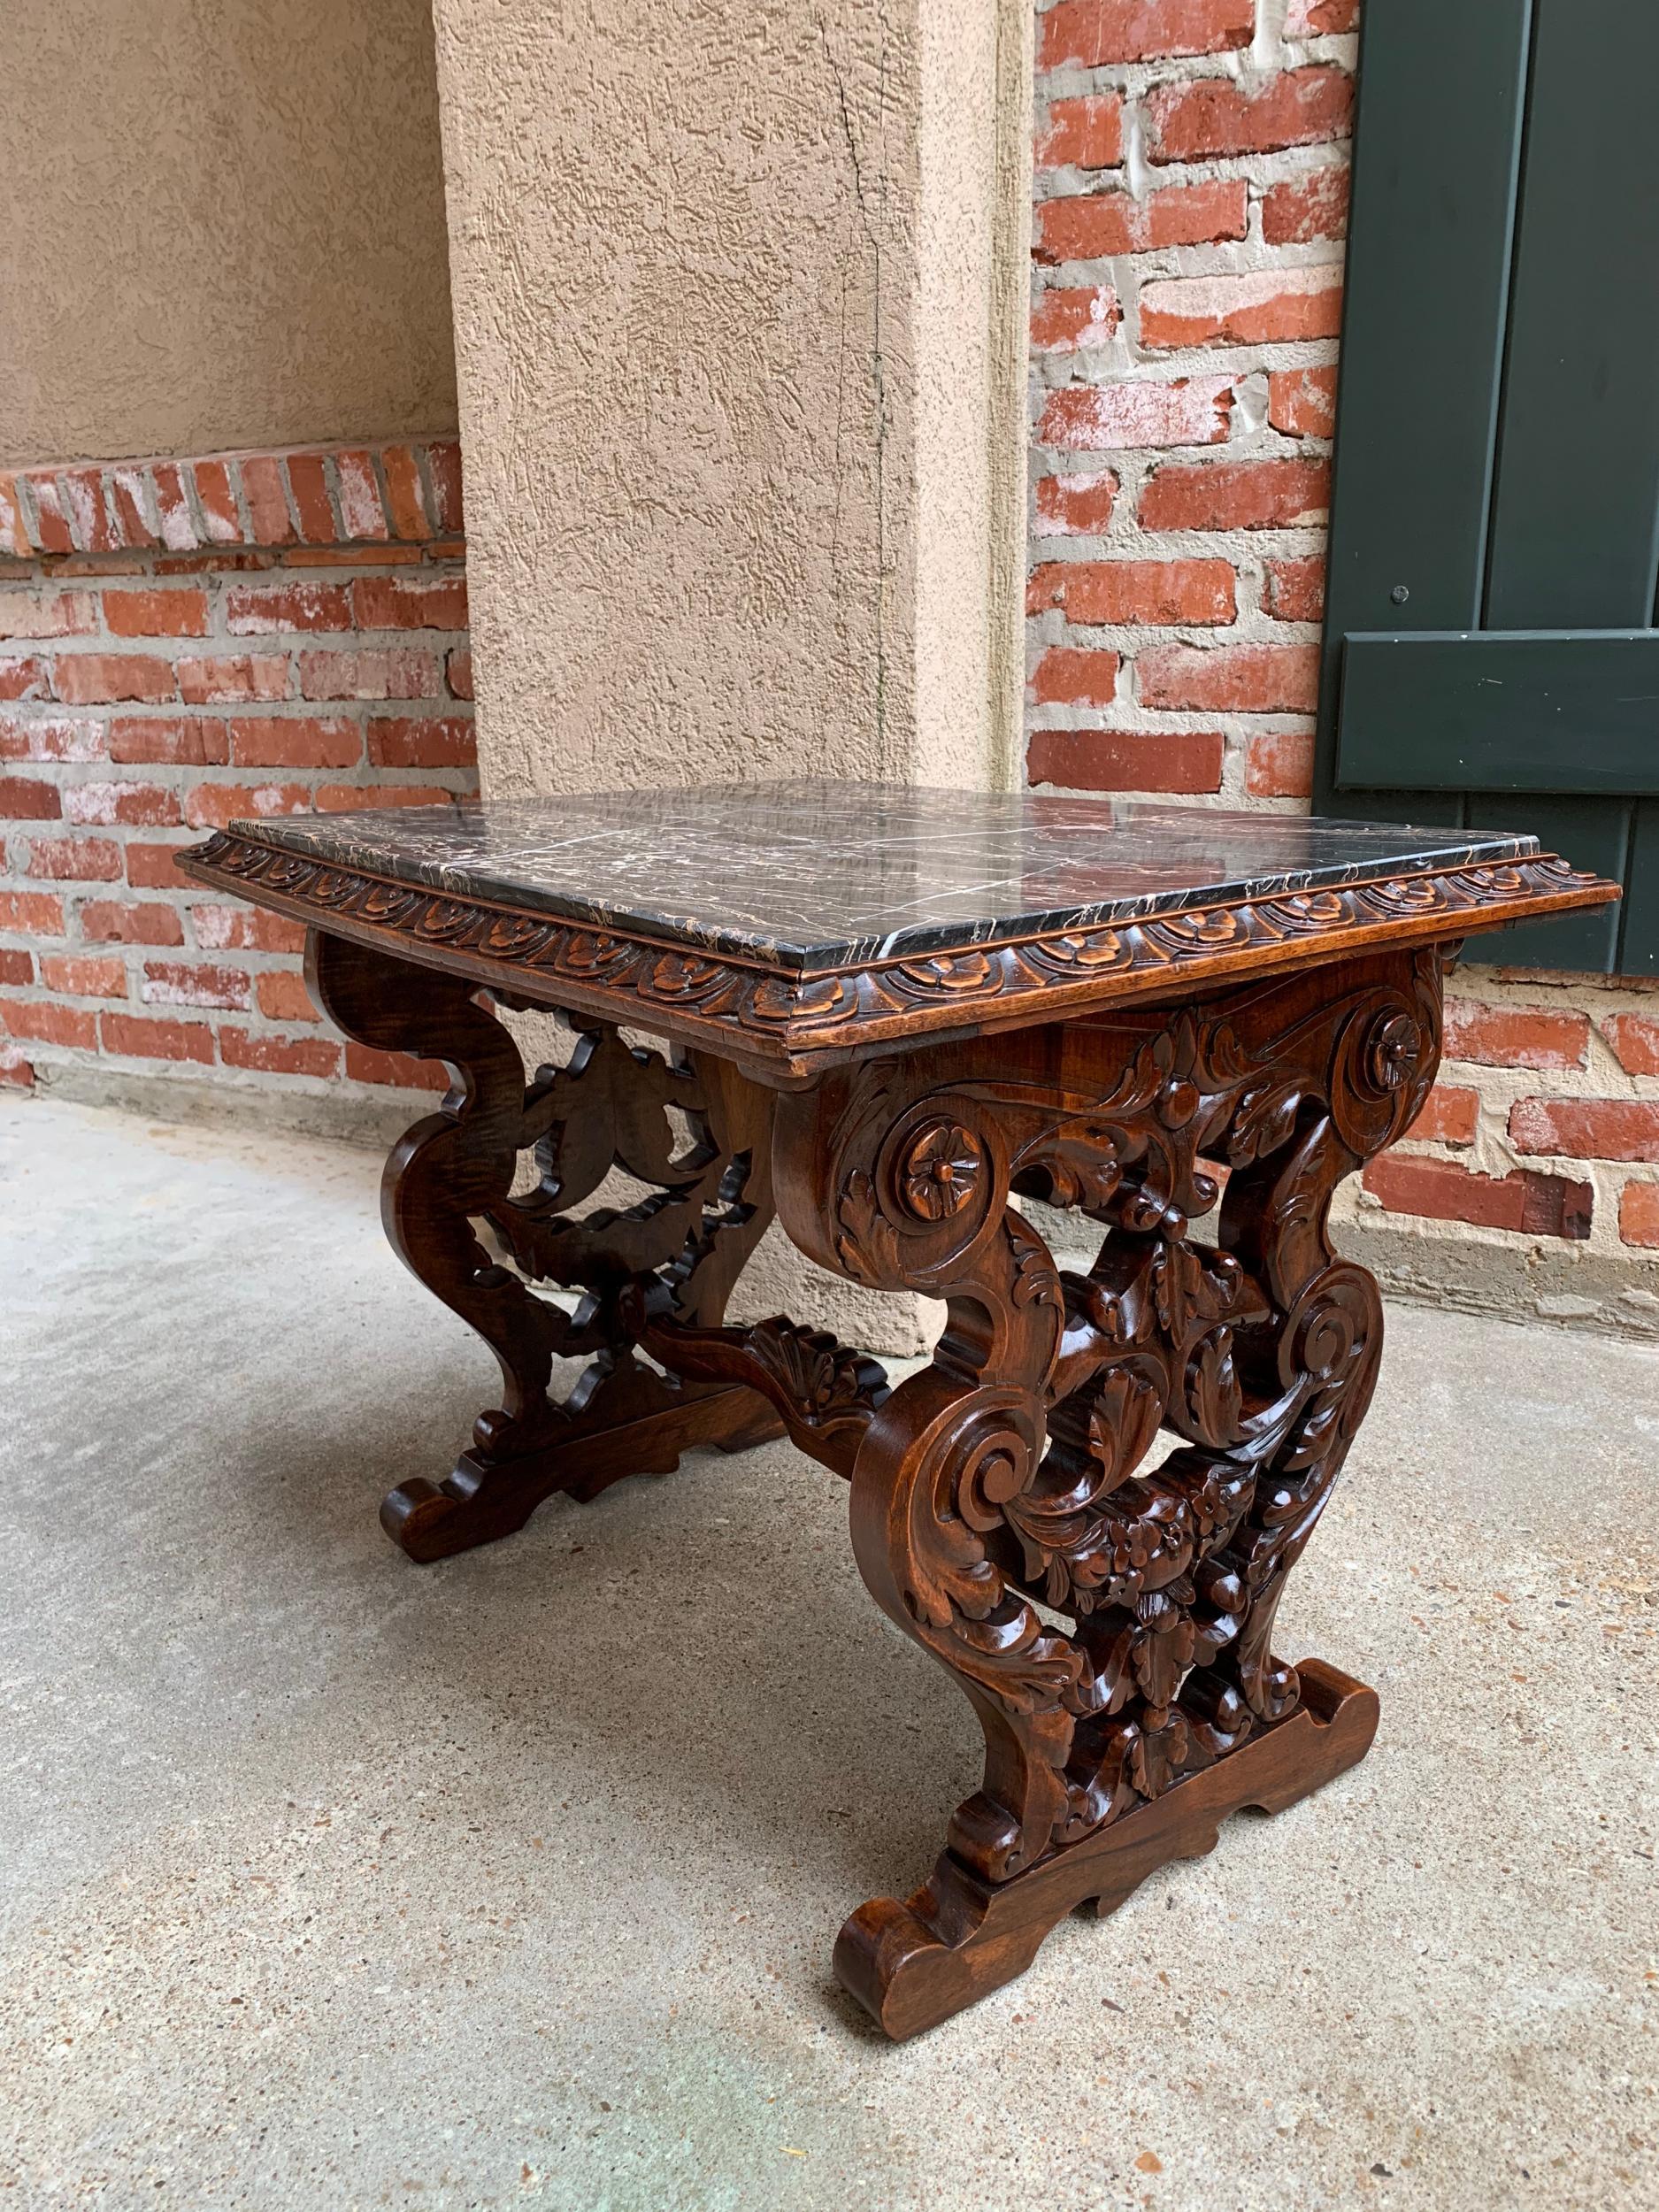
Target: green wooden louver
x=1490 y=650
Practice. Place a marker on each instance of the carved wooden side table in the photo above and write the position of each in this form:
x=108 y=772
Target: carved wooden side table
x=893 y=1015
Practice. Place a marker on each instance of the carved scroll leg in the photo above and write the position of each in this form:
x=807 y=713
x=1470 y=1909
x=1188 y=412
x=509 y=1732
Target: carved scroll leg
x=1012 y=1870
x=1054 y=1826
x=913 y=1965
x=450 y=1171
x=1104 y=1759
x=1121 y=1741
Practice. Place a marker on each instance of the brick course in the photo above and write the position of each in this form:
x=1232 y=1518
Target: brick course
x=181 y=648
x=1094 y=31
x=1544 y=1077
x=1536 y=1205
x=1191 y=169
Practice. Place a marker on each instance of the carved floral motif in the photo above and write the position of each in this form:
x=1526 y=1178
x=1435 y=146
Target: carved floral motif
x=1019 y=1467
x=941 y=1164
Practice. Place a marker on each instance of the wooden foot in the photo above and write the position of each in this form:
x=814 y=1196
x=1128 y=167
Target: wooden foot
x=911 y=1965
x=485 y=1499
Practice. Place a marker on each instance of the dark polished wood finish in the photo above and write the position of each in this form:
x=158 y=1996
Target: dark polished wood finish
x=911 y=1965
x=1085 y=1505
x=1011 y=1480
x=452 y=1177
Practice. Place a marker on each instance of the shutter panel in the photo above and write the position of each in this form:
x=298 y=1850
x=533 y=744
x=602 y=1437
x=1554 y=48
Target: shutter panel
x=1498 y=448
x=1639 y=950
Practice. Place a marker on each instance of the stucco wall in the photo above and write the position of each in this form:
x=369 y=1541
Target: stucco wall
x=740 y=297
x=222 y=226
x=972 y=277
x=702 y=487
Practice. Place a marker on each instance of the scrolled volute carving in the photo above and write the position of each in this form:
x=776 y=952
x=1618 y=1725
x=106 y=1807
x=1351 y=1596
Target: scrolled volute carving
x=1258 y=1351
x=1385 y=1065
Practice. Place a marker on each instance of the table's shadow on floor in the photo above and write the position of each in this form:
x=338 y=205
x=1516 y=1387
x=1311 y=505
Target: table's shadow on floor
x=726 y=1590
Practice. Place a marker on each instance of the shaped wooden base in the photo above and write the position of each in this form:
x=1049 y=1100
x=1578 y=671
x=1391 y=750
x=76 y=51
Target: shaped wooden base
x=486 y=1499
x=912 y=1965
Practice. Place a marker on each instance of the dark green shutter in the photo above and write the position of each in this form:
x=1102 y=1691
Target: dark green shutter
x=1490 y=652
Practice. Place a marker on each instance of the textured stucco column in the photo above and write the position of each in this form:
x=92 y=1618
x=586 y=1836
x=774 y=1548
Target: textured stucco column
x=740 y=296
x=739 y=292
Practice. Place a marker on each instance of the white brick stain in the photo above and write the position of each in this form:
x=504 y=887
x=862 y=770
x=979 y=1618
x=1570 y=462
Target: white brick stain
x=53 y=609
x=1138 y=414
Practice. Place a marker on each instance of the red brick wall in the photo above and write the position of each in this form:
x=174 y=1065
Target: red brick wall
x=1545 y=1118
x=1191 y=204
x=186 y=641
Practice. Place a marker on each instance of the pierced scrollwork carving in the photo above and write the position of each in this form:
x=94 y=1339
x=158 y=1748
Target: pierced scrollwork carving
x=1018 y=1471
x=696 y=1133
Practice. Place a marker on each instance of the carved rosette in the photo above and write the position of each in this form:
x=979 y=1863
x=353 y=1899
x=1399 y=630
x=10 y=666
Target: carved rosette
x=938 y=1169
x=1017 y=1469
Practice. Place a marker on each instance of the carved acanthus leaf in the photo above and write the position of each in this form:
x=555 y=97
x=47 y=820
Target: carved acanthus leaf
x=825 y=1383
x=867 y=1244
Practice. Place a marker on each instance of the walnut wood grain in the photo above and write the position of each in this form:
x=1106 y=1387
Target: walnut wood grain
x=1014 y=1468
x=825 y=1394
x=454 y=1173
x=959 y=1937
x=1109 y=1613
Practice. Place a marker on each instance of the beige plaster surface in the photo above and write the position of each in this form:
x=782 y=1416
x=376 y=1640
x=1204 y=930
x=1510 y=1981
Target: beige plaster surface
x=735 y=316
x=740 y=296
x=222 y=226
x=333 y=1883
x=970 y=315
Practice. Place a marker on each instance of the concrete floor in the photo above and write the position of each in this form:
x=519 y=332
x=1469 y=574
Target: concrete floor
x=329 y=1881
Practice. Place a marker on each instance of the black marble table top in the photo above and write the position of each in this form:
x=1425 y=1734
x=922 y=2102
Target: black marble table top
x=811 y=876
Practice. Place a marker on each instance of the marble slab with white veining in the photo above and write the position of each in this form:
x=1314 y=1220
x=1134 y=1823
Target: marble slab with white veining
x=809 y=876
